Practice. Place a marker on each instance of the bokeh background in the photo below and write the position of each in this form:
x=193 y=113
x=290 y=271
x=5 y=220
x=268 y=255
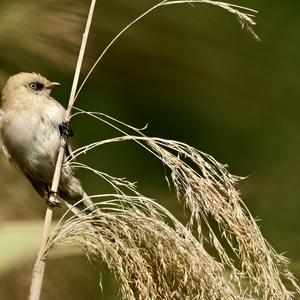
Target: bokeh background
x=193 y=75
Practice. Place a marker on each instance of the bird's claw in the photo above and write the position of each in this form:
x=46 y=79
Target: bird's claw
x=65 y=129
x=52 y=201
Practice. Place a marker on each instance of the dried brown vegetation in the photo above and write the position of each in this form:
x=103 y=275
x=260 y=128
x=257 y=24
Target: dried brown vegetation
x=153 y=255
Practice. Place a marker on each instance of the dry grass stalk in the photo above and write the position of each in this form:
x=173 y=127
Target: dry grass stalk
x=39 y=267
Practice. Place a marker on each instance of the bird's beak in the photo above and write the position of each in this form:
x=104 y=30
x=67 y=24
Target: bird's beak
x=51 y=85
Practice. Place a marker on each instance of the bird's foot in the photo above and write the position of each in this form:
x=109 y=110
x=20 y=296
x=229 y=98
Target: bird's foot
x=65 y=129
x=52 y=201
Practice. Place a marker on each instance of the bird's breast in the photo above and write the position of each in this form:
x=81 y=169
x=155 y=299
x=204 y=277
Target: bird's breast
x=32 y=137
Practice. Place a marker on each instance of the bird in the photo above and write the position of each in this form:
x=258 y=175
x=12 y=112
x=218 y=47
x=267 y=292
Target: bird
x=31 y=125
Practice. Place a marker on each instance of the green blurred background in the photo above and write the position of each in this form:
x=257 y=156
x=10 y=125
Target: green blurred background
x=193 y=75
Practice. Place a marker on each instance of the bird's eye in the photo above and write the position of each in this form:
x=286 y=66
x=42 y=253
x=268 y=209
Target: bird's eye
x=33 y=86
x=36 y=86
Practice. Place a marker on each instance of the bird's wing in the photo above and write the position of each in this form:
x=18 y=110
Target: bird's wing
x=2 y=148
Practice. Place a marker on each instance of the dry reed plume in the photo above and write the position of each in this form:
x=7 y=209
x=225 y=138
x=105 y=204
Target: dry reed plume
x=151 y=254
x=154 y=256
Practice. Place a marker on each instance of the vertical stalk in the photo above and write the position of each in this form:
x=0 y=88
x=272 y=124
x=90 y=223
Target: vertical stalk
x=39 y=267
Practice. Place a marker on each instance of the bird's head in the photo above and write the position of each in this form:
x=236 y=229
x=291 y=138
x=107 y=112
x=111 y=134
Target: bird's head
x=24 y=86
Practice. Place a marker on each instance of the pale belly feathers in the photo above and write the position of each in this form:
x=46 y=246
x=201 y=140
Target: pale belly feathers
x=32 y=138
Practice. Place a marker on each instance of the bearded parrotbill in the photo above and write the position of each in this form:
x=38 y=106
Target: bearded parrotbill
x=31 y=123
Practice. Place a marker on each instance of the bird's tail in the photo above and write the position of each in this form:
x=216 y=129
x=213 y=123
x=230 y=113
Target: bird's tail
x=82 y=207
x=71 y=191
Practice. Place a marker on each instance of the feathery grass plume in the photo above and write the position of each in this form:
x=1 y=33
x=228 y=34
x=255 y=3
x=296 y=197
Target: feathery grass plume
x=244 y=15
x=150 y=253
x=208 y=190
x=118 y=184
